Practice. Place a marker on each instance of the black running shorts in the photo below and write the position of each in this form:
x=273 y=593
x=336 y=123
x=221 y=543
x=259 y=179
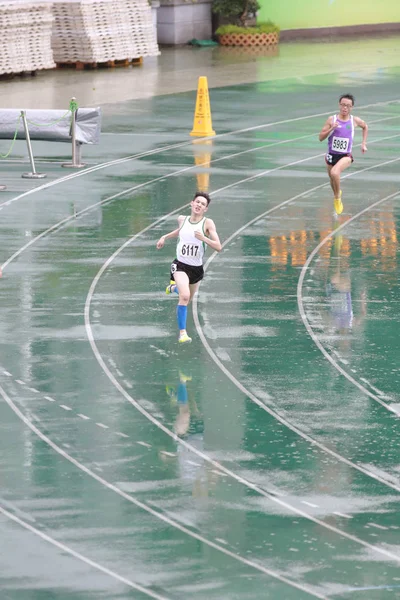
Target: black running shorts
x=333 y=159
x=195 y=274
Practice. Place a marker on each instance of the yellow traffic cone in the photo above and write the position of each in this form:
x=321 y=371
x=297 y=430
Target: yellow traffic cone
x=202 y=124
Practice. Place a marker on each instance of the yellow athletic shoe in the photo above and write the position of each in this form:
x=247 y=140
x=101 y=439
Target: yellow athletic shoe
x=184 y=338
x=172 y=394
x=184 y=378
x=168 y=289
x=338 y=204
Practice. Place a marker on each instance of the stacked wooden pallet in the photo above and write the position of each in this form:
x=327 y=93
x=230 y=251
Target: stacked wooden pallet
x=102 y=31
x=25 y=42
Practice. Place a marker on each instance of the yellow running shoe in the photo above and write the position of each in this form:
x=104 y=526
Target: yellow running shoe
x=337 y=203
x=184 y=378
x=168 y=289
x=184 y=338
x=171 y=393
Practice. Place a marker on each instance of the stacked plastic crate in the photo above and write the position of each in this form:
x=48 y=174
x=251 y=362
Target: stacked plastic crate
x=143 y=37
x=25 y=42
x=98 y=31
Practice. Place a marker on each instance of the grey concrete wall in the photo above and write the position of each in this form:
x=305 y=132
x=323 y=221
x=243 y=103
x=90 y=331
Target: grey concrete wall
x=179 y=21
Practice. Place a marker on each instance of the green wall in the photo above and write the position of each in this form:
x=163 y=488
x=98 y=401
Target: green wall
x=299 y=14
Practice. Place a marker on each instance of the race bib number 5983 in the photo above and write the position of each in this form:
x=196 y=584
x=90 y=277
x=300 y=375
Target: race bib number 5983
x=340 y=144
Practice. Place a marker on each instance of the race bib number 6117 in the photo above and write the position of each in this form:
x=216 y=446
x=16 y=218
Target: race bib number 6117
x=189 y=250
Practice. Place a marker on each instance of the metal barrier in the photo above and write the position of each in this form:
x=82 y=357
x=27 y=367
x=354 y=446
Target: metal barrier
x=33 y=174
x=76 y=125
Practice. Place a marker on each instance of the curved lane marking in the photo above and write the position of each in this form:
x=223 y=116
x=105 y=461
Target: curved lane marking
x=79 y=556
x=163 y=517
x=303 y=314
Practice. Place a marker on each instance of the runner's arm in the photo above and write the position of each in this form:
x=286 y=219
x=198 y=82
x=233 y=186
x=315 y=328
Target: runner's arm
x=360 y=123
x=327 y=129
x=171 y=234
x=213 y=239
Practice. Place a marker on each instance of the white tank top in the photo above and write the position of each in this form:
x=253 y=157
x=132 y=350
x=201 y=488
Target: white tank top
x=189 y=249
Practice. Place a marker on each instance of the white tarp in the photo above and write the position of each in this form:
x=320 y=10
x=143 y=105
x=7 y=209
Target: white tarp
x=52 y=125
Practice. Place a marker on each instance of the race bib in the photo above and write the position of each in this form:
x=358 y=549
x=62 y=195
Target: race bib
x=340 y=144
x=189 y=249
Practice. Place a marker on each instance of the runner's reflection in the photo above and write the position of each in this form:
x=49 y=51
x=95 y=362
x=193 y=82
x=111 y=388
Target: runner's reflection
x=339 y=291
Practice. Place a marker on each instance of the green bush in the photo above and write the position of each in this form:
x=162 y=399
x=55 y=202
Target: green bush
x=236 y=11
x=268 y=27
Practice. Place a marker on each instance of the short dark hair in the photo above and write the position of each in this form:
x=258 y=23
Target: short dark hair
x=204 y=195
x=347 y=97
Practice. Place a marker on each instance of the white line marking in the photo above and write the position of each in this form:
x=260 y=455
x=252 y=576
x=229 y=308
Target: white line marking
x=102 y=425
x=34 y=390
x=121 y=434
x=79 y=556
x=84 y=211
x=20 y=382
x=7 y=373
x=144 y=444
x=85 y=417
x=303 y=314
x=49 y=398
x=339 y=514
x=175 y=146
x=378 y=526
x=65 y=407
x=242 y=388
x=310 y=504
x=155 y=513
x=169 y=432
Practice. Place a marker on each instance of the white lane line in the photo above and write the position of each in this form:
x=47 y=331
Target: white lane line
x=64 y=222
x=121 y=434
x=310 y=504
x=242 y=388
x=303 y=314
x=80 y=557
x=227 y=187
x=163 y=517
x=378 y=526
x=205 y=457
x=7 y=373
x=65 y=407
x=144 y=444
x=85 y=417
x=84 y=211
x=178 y=145
x=340 y=514
x=34 y=390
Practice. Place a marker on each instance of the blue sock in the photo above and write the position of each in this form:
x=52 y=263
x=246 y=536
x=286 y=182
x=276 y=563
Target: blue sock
x=181 y=315
x=182 y=394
